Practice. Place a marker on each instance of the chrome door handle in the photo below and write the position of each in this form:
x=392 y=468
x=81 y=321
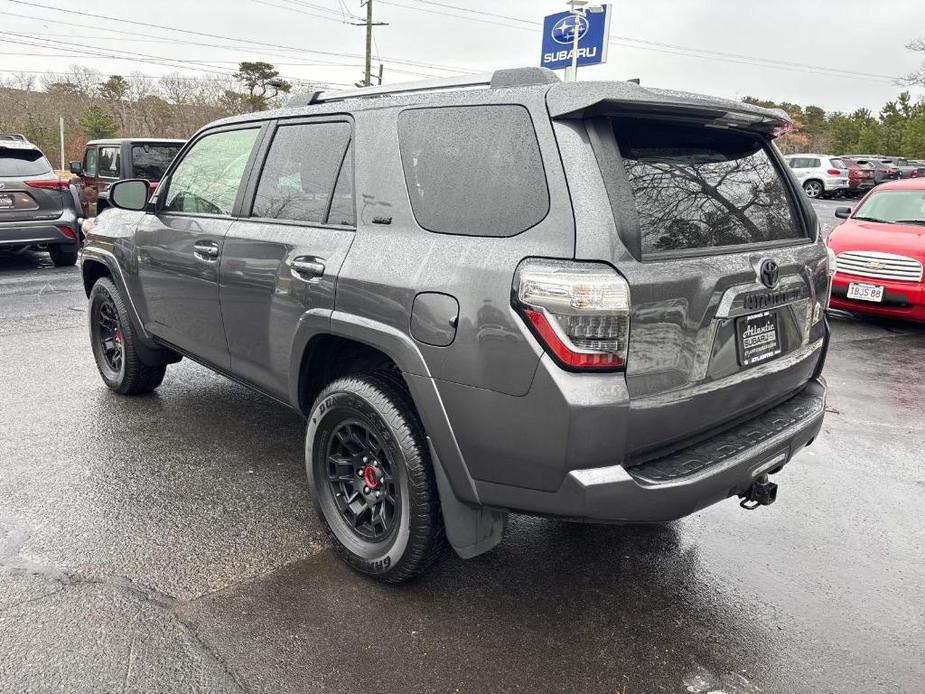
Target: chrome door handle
x=310 y=267
x=205 y=250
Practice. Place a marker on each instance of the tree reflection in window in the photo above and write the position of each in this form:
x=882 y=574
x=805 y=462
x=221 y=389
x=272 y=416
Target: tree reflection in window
x=700 y=189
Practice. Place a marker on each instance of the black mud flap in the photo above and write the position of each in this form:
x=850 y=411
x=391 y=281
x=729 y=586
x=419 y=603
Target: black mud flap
x=471 y=531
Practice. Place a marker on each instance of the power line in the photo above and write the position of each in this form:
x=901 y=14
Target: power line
x=642 y=44
x=263 y=44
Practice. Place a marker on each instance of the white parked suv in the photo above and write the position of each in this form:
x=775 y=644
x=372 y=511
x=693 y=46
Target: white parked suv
x=818 y=174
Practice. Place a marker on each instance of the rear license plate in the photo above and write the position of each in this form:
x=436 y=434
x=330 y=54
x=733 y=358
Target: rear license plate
x=6 y=202
x=758 y=337
x=865 y=292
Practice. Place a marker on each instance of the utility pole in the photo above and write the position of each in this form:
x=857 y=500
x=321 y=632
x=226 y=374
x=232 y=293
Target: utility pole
x=369 y=24
x=367 y=77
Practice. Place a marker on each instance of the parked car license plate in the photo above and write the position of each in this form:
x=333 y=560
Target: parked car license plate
x=758 y=337
x=6 y=202
x=865 y=292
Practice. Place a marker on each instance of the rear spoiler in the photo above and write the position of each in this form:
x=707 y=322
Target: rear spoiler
x=577 y=100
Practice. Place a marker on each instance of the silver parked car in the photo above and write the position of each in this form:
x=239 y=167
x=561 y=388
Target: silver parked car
x=818 y=174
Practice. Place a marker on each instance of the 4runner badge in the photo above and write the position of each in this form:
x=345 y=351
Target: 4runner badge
x=769 y=273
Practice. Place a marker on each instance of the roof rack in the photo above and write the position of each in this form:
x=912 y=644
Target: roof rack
x=515 y=77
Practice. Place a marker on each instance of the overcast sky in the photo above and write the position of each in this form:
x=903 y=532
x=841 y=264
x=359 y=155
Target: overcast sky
x=659 y=41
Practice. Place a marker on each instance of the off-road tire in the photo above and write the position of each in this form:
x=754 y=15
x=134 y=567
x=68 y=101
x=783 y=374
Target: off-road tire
x=134 y=376
x=62 y=256
x=381 y=402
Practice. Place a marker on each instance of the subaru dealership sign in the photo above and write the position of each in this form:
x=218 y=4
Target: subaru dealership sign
x=559 y=35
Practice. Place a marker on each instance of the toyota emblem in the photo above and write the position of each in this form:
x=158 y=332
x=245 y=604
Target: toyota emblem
x=769 y=273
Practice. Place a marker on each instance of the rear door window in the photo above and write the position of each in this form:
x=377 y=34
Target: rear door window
x=207 y=179
x=151 y=161
x=703 y=188
x=300 y=172
x=109 y=162
x=473 y=170
x=22 y=162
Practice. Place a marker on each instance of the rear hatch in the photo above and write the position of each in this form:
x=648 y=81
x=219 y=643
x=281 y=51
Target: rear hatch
x=703 y=209
x=29 y=189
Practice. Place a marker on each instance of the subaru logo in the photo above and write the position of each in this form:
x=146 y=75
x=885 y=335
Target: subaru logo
x=563 y=31
x=769 y=273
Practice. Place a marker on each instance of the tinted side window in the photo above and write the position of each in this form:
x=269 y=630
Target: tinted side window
x=151 y=161
x=90 y=162
x=206 y=181
x=300 y=171
x=109 y=162
x=473 y=170
x=813 y=163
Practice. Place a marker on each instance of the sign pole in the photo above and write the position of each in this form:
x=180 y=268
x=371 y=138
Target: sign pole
x=576 y=15
x=61 y=137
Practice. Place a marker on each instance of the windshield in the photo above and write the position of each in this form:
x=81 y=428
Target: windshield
x=697 y=187
x=29 y=162
x=839 y=164
x=892 y=206
x=150 y=161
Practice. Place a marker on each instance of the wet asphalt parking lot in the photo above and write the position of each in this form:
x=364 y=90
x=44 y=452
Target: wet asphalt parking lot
x=167 y=543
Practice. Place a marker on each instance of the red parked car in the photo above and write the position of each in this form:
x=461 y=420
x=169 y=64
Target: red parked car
x=860 y=178
x=880 y=251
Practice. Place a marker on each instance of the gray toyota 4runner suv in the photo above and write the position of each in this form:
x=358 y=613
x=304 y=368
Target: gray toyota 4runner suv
x=593 y=301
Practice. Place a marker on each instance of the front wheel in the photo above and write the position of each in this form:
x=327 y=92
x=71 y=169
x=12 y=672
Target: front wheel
x=114 y=342
x=813 y=189
x=371 y=478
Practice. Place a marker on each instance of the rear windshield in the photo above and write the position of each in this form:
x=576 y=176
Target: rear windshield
x=29 y=162
x=151 y=161
x=702 y=188
x=839 y=163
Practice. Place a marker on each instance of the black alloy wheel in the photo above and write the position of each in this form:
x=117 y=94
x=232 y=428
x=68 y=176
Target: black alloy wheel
x=360 y=476
x=371 y=476
x=108 y=333
x=115 y=343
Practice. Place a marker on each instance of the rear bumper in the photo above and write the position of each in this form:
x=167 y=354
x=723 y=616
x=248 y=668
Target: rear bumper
x=904 y=300
x=683 y=482
x=835 y=183
x=43 y=231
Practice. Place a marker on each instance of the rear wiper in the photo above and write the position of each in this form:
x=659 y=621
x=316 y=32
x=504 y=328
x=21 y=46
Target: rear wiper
x=911 y=221
x=871 y=219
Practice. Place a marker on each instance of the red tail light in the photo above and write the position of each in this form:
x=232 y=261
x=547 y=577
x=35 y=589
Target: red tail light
x=578 y=311
x=67 y=231
x=833 y=172
x=57 y=183
x=914 y=174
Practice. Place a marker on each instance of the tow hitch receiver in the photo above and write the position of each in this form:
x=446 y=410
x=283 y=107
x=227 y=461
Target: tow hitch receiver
x=761 y=493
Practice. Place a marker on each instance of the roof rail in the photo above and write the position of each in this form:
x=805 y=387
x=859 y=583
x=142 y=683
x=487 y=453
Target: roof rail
x=13 y=136
x=516 y=77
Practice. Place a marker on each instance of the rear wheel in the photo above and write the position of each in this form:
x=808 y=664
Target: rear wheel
x=62 y=256
x=813 y=189
x=371 y=477
x=114 y=342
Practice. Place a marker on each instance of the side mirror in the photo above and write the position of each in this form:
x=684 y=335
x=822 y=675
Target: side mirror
x=130 y=194
x=75 y=168
x=843 y=212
